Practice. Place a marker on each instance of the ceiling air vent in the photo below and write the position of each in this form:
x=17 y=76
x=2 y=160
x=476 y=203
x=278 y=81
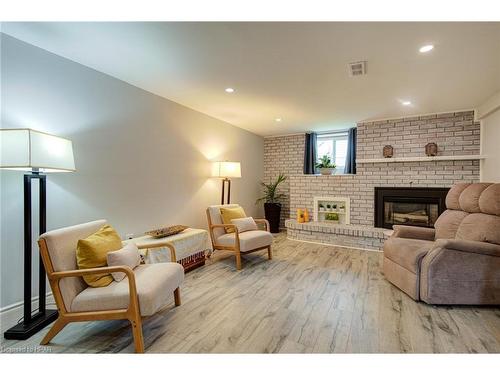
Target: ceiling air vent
x=357 y=68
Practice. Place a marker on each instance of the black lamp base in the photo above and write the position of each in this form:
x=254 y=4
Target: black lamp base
x=32 y=323
x=24 y=331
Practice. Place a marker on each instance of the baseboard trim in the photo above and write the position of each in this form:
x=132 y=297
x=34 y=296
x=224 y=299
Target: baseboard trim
x=332 y=245
x=10 y=315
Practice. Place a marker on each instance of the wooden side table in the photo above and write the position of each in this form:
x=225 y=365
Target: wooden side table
x=186 y=248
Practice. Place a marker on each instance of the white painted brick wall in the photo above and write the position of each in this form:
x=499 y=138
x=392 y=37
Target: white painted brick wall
x=284 y=155
x=455 y=133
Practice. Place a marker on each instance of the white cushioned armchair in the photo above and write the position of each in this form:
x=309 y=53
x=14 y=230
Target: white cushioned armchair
x=144 y=291
x=240 y=243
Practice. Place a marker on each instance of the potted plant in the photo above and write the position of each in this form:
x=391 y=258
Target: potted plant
x=325 y=165
x=321 y=207
x=272 y=204
x=328 y=207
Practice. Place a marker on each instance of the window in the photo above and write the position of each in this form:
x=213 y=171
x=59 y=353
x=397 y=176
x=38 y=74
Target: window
x=334 y=145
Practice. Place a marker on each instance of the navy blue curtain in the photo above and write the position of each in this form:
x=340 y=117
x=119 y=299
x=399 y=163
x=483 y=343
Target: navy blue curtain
x=350 y=161
x=310 y=154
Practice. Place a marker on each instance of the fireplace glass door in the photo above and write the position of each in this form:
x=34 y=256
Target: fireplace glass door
x=418 y=206
x=410 y=213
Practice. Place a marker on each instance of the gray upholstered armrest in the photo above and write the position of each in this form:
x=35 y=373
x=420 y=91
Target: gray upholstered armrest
x=417 y=233
x=477 y=247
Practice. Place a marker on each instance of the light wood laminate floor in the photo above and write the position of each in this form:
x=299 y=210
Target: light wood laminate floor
x=309 y=299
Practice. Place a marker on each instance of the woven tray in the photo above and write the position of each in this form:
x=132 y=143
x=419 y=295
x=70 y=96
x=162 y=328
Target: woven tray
x=167 y=231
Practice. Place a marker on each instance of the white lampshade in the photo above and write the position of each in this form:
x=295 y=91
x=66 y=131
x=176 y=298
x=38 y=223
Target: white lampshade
x=31 y=150
x=226 y=169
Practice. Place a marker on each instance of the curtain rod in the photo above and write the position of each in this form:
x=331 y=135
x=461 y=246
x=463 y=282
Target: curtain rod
x=333 y=131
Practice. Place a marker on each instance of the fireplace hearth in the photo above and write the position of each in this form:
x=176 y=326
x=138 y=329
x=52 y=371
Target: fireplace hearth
x=417 y=206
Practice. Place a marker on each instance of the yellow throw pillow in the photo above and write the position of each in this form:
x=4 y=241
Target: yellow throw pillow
x=91 y=253
x=229 y=214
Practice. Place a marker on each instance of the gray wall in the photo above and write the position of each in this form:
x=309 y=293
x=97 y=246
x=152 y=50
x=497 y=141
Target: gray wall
x=142 y=161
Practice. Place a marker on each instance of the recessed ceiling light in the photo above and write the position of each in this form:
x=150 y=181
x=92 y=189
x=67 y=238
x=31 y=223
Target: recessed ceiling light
x=278 y=119
x=229 y=90
x=426 y=48
x=406 y=102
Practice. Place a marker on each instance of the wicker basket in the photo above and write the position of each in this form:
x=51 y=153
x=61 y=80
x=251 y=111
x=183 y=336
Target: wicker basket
x=167 y=231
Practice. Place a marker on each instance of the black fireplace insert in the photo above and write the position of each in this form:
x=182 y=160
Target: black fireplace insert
x=417 y=206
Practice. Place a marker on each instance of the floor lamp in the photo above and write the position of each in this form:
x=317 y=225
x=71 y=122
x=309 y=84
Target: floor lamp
x=35 y=153
x=226 y=170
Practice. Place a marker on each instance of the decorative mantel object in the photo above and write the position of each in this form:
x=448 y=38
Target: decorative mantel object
x=36 y=153
x=431 y=149
x=388 y=151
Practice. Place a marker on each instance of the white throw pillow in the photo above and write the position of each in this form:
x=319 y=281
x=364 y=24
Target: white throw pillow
x=245 y=224
x=126 y=256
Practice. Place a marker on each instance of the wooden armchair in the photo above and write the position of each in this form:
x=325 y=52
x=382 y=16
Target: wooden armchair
x=144 y=291
x=240 y=243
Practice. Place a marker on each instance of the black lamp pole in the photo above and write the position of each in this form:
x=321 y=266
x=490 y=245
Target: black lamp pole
x=228 y=190
x=31 y=324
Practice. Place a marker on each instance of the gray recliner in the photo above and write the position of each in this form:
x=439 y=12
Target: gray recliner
x=458 y=261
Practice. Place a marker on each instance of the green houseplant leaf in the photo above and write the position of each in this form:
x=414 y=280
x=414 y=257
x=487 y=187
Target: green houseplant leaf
x=325 y=162
x=271 y=194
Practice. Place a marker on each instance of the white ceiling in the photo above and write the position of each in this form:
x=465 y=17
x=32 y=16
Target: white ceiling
x=295 y=71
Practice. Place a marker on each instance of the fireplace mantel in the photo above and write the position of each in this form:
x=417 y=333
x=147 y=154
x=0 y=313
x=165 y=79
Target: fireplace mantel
x=421 y=159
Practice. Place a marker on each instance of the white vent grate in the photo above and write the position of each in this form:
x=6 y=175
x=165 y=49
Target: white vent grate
x=357 y=68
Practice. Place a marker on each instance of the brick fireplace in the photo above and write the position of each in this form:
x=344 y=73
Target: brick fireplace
x=457 y=137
